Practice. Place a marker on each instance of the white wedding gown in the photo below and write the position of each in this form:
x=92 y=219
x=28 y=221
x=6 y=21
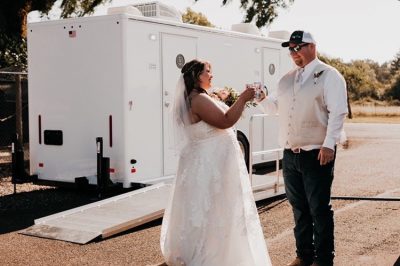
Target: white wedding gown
x=211 y=219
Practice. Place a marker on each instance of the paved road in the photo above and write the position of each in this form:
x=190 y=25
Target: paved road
x=367 y=232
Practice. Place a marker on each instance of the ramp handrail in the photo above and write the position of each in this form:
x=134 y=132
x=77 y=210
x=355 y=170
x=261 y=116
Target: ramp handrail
x=13 y=73
x=258 y=153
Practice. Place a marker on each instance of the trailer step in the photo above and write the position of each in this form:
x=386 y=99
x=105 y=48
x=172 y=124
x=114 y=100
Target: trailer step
x=104 y=218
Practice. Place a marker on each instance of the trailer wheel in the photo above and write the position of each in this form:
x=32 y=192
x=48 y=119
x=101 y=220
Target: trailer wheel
x=244 y=146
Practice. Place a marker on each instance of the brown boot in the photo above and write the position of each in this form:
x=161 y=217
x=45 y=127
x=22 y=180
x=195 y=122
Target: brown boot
x=298 y=262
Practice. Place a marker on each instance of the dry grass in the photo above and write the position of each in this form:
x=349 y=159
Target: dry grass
x=375 y=110
x=375 y=119
x=373 y=113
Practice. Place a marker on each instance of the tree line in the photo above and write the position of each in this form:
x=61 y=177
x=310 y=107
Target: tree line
x=366 y=79
x=369 y=81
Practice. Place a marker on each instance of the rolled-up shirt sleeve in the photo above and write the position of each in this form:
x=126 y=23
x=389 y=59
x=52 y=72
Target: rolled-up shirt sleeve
x=270 y=103
x=335 y=96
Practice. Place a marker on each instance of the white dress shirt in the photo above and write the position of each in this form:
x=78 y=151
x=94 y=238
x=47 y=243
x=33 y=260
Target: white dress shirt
x=335 y=100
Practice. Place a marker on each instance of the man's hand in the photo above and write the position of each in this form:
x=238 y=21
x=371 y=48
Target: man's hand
x=325 y=155
x=262 y=96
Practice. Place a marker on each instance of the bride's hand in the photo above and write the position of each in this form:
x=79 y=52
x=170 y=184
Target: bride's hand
x=248 y=94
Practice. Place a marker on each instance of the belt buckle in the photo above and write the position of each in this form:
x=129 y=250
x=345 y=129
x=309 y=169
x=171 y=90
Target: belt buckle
x=297 y=150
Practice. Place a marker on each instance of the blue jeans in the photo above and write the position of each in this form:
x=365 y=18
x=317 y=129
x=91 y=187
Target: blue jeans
x=308 y=189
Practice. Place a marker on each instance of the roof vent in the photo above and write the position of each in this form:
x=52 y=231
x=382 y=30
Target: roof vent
x=159 y=10
x=246 y=28
x=130 y=10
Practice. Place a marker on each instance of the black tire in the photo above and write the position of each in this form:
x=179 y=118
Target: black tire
x=244 y=146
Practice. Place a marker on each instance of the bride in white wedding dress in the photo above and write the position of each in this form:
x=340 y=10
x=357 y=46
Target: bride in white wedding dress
x=211 y=219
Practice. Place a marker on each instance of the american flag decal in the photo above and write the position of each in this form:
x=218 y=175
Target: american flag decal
x=72 y=33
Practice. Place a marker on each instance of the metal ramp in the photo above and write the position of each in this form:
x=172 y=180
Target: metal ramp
x=104 y=218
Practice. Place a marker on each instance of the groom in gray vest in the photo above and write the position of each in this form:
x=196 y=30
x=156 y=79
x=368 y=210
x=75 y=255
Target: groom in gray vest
x=312 y=103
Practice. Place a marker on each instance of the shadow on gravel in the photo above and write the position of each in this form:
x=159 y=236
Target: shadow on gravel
x=5 y=169
x=268 y=204
x=18 y=211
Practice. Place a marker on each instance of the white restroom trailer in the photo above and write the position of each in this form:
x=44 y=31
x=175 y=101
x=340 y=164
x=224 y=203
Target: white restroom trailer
x=114 y=77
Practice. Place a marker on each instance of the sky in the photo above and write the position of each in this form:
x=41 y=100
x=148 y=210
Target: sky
x=346 y=29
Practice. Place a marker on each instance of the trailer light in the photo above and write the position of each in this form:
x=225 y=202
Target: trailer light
x=133 y=170
x=152 y=37
x=41 y=164
x=111 y=170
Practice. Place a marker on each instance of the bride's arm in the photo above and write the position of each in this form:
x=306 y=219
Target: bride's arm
x=208 y=111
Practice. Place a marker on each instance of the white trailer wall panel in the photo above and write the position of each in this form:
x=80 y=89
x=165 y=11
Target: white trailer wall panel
x=84 y=70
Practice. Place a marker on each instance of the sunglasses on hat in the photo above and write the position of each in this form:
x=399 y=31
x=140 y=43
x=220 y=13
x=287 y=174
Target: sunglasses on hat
x=297 y=47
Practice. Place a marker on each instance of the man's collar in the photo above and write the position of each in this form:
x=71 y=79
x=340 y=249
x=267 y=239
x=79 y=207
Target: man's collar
x=310 y=67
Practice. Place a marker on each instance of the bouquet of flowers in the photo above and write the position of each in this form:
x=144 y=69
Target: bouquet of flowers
x=229 y=96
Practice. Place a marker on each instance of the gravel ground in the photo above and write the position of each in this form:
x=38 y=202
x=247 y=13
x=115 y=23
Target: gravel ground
x=367 y=232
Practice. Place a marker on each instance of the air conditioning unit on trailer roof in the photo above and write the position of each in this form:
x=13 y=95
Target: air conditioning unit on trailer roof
x=159 y=10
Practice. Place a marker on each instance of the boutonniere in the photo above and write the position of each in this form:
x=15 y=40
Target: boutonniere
x=317 y=75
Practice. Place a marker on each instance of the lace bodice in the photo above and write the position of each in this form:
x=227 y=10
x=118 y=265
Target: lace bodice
x=201 y=130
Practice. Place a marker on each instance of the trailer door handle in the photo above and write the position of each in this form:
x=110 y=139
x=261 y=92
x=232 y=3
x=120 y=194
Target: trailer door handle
x=166 y=104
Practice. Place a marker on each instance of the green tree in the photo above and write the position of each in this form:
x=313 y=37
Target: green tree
x=13 y=53
x=13 y=19
x=368 y=85
x=395 y=64
x=382 y=72
x=193 y=17
x=393 y=93
x=13 y=13
x=360 y=78
x=263 y=12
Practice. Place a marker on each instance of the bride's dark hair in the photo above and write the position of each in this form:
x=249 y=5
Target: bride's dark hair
x=191 y=72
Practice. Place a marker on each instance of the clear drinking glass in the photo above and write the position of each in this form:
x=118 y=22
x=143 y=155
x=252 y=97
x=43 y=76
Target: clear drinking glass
x=258 y=87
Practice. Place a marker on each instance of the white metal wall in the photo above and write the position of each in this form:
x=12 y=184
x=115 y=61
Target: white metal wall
x=72 y=69
x=124 y=67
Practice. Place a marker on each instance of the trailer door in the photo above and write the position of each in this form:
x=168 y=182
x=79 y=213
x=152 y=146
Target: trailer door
x=271 y=75
x=176 y=51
